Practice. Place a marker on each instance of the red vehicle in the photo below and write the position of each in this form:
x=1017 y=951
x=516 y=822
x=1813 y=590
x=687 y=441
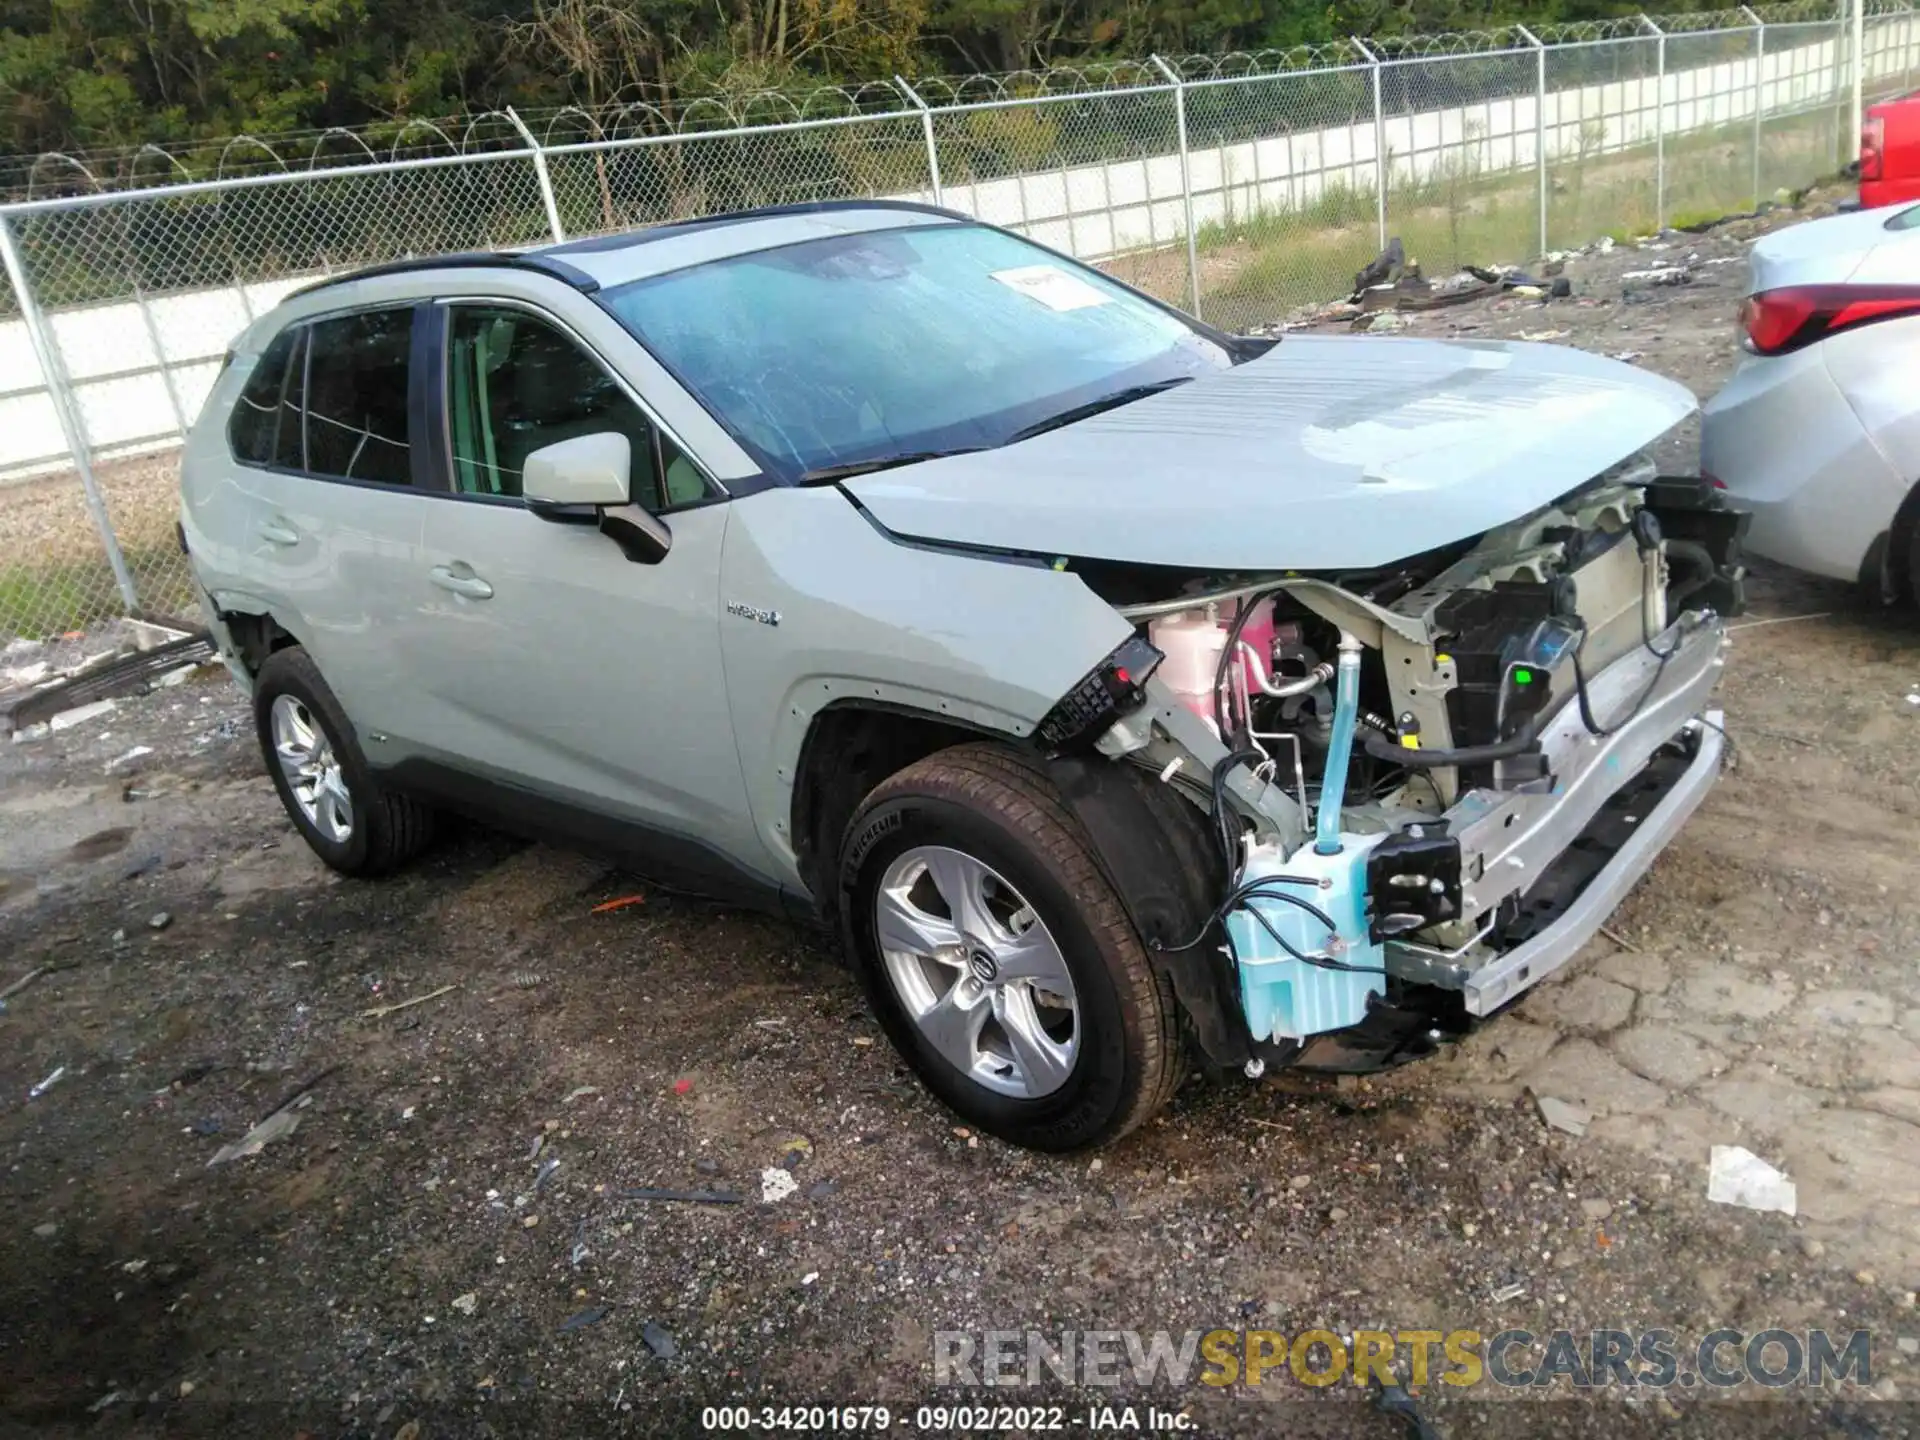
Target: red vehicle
x=1890 y=153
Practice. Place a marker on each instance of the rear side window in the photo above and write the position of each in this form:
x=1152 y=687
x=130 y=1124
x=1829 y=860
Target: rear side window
x=356 y=397
x=256 y=417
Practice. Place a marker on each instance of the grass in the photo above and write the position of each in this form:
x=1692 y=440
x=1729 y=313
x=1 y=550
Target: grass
x=50 y=599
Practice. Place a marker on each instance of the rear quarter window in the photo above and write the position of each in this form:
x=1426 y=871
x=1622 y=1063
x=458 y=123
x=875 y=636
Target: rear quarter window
x=252 y=429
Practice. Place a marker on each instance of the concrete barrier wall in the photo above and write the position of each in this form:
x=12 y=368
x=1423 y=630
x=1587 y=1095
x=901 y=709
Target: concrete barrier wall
x=142 y=369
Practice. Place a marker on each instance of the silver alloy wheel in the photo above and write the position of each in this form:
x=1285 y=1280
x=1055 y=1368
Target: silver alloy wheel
x=312 y=769
x=978 y=971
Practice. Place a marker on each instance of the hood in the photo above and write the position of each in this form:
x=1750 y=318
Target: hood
x=1326 y=453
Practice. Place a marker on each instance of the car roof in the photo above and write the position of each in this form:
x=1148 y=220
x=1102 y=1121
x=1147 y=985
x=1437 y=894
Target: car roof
x=1860 y=246
x=606 y=261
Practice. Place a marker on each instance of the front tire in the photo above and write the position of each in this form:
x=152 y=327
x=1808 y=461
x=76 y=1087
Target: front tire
x=348 y=819
x=998 y=957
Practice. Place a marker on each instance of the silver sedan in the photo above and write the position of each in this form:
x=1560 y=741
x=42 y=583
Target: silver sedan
x=1818 y=431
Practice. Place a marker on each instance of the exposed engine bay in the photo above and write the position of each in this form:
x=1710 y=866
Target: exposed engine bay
x=1428 y=784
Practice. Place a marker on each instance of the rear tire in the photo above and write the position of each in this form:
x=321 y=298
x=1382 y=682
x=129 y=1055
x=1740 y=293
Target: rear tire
x=1029 y=1007
x=343 y=813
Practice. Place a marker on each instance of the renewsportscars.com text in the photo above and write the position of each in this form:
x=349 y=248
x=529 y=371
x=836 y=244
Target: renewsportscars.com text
x=1513 y=1359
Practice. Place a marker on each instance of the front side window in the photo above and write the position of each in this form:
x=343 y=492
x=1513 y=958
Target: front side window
x=854 y=348
x=356 y=397
x=516 y=384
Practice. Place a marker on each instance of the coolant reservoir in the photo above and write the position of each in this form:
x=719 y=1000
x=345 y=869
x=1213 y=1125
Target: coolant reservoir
x=1289 y=999
x=1192 y=641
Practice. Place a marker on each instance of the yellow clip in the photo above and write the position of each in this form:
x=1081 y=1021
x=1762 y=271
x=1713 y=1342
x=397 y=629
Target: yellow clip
x=1439 y=660
x=1409 y=742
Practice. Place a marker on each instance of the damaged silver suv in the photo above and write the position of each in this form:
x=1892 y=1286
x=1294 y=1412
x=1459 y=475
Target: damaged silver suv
x=1117 y=688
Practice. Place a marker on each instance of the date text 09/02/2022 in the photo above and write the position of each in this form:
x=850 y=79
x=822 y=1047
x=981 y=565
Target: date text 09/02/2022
x=934 y=1419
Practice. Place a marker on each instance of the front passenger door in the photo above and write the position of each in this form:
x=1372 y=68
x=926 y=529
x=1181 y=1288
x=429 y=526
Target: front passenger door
x=550 y=660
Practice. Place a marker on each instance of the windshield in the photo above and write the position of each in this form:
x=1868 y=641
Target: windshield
x=859 y=348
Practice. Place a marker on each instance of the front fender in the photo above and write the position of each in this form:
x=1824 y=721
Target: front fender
x=820 y=606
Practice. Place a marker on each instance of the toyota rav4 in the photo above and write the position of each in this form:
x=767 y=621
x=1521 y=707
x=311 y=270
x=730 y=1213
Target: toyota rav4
x=1115 y=687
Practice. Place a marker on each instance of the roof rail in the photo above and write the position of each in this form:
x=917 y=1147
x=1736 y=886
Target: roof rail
x=541 y=261
x=641 y=235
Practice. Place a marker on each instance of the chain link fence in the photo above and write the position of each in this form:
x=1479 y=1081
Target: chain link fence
x=1237 y=186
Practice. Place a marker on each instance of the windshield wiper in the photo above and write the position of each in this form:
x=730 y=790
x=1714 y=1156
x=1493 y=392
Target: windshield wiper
x=827 y=474
x=1095 y=407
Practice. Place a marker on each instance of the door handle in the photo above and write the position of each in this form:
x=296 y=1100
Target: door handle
x=461 y=581
x=278 y=532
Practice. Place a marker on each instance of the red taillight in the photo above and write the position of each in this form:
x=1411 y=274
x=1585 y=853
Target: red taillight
x=1873 y=143
x=1777 y=321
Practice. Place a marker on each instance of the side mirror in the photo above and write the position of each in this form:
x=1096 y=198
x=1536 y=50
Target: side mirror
x=586 y=470
x=588 y=479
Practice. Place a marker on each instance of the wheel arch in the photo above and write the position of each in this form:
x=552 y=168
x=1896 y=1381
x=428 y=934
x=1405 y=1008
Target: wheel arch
x=850 y=746
x=1154 y=846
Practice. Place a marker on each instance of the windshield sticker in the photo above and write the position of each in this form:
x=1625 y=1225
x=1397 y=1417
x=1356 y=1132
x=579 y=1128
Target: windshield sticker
x=1052 y=287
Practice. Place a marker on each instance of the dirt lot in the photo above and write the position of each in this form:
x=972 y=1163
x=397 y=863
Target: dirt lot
x=411 y=1253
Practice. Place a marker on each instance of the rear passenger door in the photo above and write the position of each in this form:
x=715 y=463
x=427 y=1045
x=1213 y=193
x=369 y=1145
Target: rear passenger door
x=550 y=659
x=339 y=504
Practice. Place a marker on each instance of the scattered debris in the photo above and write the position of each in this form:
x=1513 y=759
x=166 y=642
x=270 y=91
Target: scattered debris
x=794 y=1151
x=1386 y=268
x=580 y=1093
x=159 y=920
x=525 y=979
x=278 y=1123
x=1507 y=1292
x=547 y=1169
x=1661 y=275
x=620 y=904
x=134 y=754
x=23 y=982
x=79 y=715
x=379 y=1010
x=1627 y=356
x=692 y=1197
x=821 y=1189
x=581 y=1319
x=1381 y=323
x=110 y=1398
x=275 y=1127
x=47 y=1084
x=539 y=1144
x=1617 y=938
x=776 y=1185
x=1563 y=1114
x=1780 y=620
x=659 y=1341
x=1736 y=1176
x=1544 y=334
x=466 y=1304
x=1392 y=1400
x=682 y=1086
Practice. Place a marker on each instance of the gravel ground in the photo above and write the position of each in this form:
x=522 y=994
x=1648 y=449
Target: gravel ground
x=412 y=1253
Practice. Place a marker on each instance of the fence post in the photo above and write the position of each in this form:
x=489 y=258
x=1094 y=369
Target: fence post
x=1759 y=92
x=926 y=127
x=1539 y=123
x=1659 y=129
x=40 y=337
x=540 y=173
x=1859 y=71
x=1379 y=136
x=1186 y=179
